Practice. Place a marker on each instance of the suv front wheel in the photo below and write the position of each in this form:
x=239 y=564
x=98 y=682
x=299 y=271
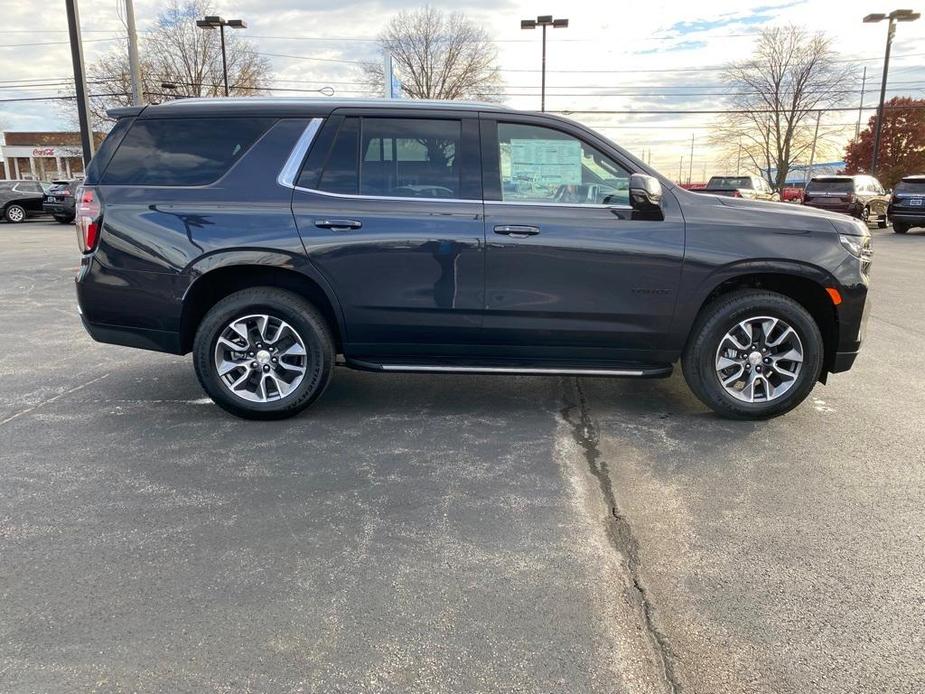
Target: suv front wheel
x=263 y=353
x=753 y=355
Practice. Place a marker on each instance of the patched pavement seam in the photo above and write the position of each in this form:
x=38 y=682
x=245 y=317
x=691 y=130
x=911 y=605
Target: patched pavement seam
x=618 y=528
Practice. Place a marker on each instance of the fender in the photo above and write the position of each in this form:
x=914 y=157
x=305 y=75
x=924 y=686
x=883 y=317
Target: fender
x=697 y=294
x=271 y=259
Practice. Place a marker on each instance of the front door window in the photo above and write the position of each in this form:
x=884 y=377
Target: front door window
x=542 y=165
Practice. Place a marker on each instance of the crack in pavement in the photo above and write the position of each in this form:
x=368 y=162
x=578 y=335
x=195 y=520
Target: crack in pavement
x=618 y=528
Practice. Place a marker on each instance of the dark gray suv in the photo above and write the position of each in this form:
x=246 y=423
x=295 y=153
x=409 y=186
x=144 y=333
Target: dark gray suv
x=269 y=236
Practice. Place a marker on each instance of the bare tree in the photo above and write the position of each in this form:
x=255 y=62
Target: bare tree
x=178 y=53
x=776 y=96
x=438 y=56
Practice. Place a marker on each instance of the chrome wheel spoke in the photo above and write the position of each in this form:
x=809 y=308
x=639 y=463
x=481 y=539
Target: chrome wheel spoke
x=260 y=358
x=766 y=366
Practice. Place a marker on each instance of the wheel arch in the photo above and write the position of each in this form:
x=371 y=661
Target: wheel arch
x=232 y=274
x=804 y=284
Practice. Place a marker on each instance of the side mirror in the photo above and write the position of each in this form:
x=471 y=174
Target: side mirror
x=645 y=192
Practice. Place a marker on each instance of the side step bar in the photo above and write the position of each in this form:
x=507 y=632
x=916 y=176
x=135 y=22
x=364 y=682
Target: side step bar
x=624 y=372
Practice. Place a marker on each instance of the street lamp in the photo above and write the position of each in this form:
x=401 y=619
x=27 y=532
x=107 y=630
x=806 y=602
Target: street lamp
x=893 y=17
x=211 y=22
x=544 y=21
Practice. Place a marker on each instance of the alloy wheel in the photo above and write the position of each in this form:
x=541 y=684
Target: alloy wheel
x=759 y=359
x=260 y=358
x=15 y=214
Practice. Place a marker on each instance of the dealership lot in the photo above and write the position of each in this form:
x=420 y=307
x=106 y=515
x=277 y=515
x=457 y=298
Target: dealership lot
x=414 y=533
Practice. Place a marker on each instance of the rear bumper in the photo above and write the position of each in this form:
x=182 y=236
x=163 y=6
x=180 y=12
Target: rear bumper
x=848 y=208
x=141 y=338
x=906 y=217
x=58 y=209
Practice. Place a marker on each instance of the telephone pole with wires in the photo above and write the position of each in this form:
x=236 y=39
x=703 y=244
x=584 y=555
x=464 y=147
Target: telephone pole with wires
x=134 y=67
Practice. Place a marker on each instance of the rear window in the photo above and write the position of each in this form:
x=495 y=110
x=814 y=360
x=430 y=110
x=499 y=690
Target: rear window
x=838 y=185
x=729 y=182
x=182 y=151
x=913 y=186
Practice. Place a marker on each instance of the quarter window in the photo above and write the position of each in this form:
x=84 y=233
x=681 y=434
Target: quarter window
x=182 y=151
x=543 y=165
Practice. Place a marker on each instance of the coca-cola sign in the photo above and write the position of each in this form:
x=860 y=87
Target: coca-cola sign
x=43 y=152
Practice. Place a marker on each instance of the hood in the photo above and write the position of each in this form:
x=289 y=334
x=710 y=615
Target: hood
x=779 y=216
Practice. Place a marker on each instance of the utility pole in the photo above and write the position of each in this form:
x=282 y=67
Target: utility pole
x=739 y=157
x=690 y=165
x=680 y=170
x=543 y=21
x=893 y=17
x=812 y=152
x=134 y=68
x=857 y=130
x=80 y=81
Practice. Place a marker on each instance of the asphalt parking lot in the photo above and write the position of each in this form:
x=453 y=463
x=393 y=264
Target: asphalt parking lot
x=452 y=534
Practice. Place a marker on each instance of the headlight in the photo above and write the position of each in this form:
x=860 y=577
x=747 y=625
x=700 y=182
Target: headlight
x=858 y=246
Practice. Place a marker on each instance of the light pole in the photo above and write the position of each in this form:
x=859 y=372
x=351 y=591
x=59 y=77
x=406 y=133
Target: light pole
x=544 y=21
x=213 y=21
x=893 y=17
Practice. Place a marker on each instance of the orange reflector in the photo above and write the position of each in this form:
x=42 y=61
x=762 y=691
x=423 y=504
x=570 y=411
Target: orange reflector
x=834 y=295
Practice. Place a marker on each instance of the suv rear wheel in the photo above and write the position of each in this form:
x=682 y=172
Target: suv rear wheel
x=14 y=213
x=899 y=228
x=263 y=353
x=753 y=354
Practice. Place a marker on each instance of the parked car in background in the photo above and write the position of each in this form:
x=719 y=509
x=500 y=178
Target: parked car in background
x=907 y=205
x=792 y=194
x=59 y=200
x=860 y=196
x=20 y=199
x=749 y=187
x=268 y=236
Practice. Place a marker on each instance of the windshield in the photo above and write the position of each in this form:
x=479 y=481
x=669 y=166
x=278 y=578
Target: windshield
x=831 y=185
x=729 y=182
x=916 y=185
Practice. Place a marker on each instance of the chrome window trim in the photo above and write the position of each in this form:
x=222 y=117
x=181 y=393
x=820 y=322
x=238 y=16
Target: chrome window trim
x=352 y=196
x=287 y=176
x=579 y=205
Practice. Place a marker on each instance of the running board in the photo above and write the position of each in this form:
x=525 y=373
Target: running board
x=634 y=371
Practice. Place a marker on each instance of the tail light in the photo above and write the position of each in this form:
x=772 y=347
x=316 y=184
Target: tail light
x=88 y=218
x=849 y=197
x=736 y=194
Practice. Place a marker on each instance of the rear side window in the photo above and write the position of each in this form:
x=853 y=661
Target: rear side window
x=392 y=157
x=410 y=157
x=182 y=151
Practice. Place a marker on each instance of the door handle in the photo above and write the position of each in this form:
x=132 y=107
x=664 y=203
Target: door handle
x=518 y=231
x=338 y=224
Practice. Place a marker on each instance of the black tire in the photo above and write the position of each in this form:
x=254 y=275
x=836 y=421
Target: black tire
x=718 y=317
x=865 y=215
x=899 y=228
x=883 y=222
x=14 y=213
x=284 y=305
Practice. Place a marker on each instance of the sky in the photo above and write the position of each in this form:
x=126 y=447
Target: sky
x=655 y=55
